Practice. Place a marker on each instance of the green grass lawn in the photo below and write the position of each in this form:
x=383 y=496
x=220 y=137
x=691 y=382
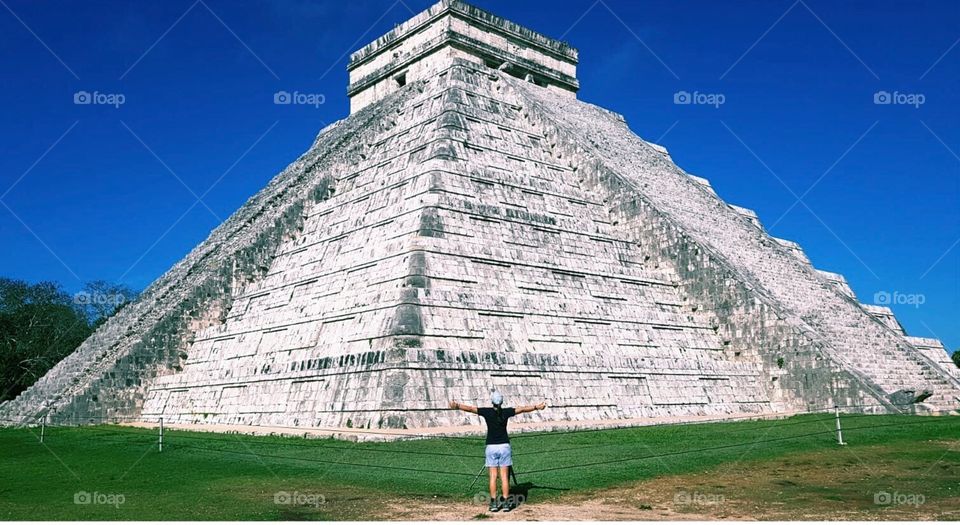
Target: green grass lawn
x=216 y=476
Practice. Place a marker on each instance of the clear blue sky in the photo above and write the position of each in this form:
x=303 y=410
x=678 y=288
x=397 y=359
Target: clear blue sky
x=99 y=192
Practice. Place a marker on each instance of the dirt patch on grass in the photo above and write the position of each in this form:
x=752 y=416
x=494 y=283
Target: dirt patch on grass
x=546 y=511
x=866 y=483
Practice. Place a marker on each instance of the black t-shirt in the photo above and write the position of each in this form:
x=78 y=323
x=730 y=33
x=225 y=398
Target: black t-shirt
x=496 y=427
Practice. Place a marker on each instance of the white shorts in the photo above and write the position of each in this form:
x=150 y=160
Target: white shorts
x=499 y=455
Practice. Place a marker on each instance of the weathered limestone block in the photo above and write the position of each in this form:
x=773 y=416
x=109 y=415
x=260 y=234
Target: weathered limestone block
x=747 y=214
x=839 y=282
x=795 y=249
x=704 y=183
x=885 y=315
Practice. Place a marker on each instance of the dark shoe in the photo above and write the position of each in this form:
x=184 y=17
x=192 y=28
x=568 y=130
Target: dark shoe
x=494 y=506
x=508 y=504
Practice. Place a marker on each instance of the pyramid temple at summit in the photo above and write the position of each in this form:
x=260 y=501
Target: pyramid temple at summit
x=473 y=225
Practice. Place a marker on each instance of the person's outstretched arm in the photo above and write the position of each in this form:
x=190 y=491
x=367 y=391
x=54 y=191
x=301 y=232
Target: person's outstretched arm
x=531 y=408
x=460 y=406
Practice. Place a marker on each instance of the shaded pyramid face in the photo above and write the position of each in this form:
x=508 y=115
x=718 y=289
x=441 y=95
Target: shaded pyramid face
x=465 y=230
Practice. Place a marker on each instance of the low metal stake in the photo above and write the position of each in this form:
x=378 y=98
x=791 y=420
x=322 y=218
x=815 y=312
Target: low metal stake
x=43 y=427
x=839 y=431
x=161 y=435
x=478 y=477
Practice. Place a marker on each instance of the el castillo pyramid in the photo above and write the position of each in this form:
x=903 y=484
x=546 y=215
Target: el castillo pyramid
x=473 y=225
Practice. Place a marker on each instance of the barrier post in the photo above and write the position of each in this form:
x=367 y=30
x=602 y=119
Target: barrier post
x=43 y=427
x=478 y=477
x=839 y=431
x=161 y=436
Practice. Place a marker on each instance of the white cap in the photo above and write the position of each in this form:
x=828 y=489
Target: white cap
x=496 y=398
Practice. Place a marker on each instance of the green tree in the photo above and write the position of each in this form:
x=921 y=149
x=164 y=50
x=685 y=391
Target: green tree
x=100 y=300
x=956 y=358
x=40 y=324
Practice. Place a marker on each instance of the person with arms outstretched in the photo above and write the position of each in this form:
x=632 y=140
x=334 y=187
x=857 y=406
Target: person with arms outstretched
x=498 y=454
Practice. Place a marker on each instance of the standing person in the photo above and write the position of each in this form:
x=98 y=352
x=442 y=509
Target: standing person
x=498 y=453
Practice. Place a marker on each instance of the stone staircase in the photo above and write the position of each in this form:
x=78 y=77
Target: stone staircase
x=895 y=366
x=847 y=332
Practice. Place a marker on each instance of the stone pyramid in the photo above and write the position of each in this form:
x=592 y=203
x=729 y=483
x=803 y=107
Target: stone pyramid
x=472 y=225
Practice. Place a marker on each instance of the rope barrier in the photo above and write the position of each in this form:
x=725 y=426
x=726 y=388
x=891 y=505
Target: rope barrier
x=721 y=447
x=248 y=441
x=751 y=417
x=677 y=453
x=777 y=423
x=628 y=443
x=401 y=434
x=937 y=420
x=312 y=460
x=536 y=471
x=396 y=433
x=103 y=433
x=110 y=432
x=151 y=442
x=98 y=431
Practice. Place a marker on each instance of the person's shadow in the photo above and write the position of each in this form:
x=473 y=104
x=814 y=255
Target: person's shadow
x=525 y=488
x=522 y=490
